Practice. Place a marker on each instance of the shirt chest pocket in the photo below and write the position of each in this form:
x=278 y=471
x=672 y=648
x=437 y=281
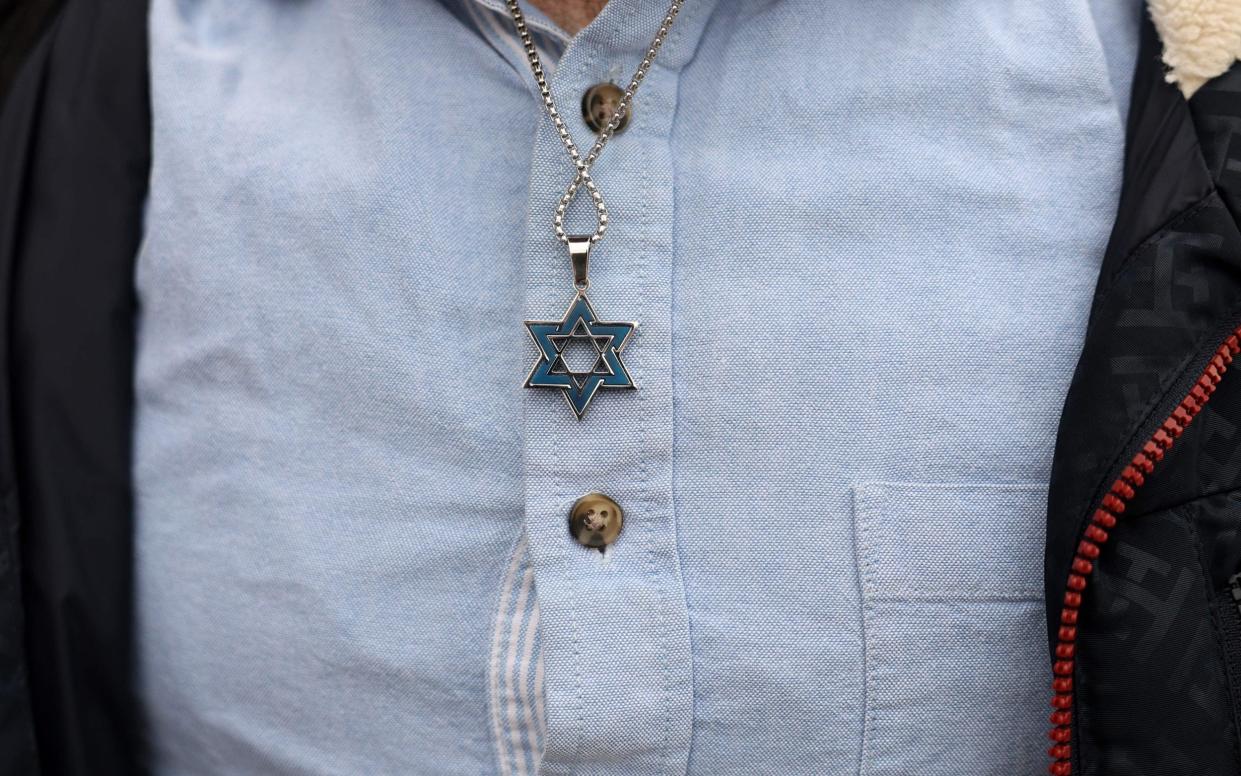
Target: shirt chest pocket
x=955 y=640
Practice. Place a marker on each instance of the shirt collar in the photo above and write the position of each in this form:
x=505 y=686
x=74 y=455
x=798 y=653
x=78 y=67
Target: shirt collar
x=491 y=19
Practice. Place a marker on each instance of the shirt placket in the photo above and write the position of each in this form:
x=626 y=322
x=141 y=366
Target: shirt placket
x=614 y=624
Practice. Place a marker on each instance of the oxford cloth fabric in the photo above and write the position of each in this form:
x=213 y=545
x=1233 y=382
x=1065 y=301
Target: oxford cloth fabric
x=860 y=239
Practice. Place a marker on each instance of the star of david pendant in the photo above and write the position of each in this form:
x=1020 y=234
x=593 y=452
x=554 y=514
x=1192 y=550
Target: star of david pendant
x=579 y=354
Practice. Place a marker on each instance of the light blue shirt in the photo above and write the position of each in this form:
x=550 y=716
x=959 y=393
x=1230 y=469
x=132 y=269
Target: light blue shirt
x=860 y=238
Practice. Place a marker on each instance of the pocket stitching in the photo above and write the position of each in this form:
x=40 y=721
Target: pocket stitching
x=868 y=498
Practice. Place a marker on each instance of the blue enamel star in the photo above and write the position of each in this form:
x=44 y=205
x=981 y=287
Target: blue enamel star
x=579 y=378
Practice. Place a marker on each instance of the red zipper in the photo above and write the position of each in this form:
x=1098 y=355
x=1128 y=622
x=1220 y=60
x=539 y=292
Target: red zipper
x=1104 y=519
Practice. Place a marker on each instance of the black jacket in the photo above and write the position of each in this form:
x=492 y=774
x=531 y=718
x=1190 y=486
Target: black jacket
x=1143 y=552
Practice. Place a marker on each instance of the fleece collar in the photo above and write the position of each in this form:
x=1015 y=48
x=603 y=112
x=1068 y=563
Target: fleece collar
x=1201 y=39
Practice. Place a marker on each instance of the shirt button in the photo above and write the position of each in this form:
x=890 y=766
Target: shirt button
x=595 y=520
x=599 y=103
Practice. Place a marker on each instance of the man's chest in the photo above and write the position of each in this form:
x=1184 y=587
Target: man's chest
x=850 y=301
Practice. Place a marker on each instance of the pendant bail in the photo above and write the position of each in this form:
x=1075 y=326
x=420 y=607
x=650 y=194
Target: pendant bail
x=579 y=253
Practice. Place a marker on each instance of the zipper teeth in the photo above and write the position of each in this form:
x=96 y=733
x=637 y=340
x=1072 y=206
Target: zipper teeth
x=1104 y=519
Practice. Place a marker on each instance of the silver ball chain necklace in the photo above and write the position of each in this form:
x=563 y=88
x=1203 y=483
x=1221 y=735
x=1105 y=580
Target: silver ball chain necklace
x=603 y=340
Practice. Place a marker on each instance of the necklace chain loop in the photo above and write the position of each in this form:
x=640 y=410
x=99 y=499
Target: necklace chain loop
x=583 y=179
